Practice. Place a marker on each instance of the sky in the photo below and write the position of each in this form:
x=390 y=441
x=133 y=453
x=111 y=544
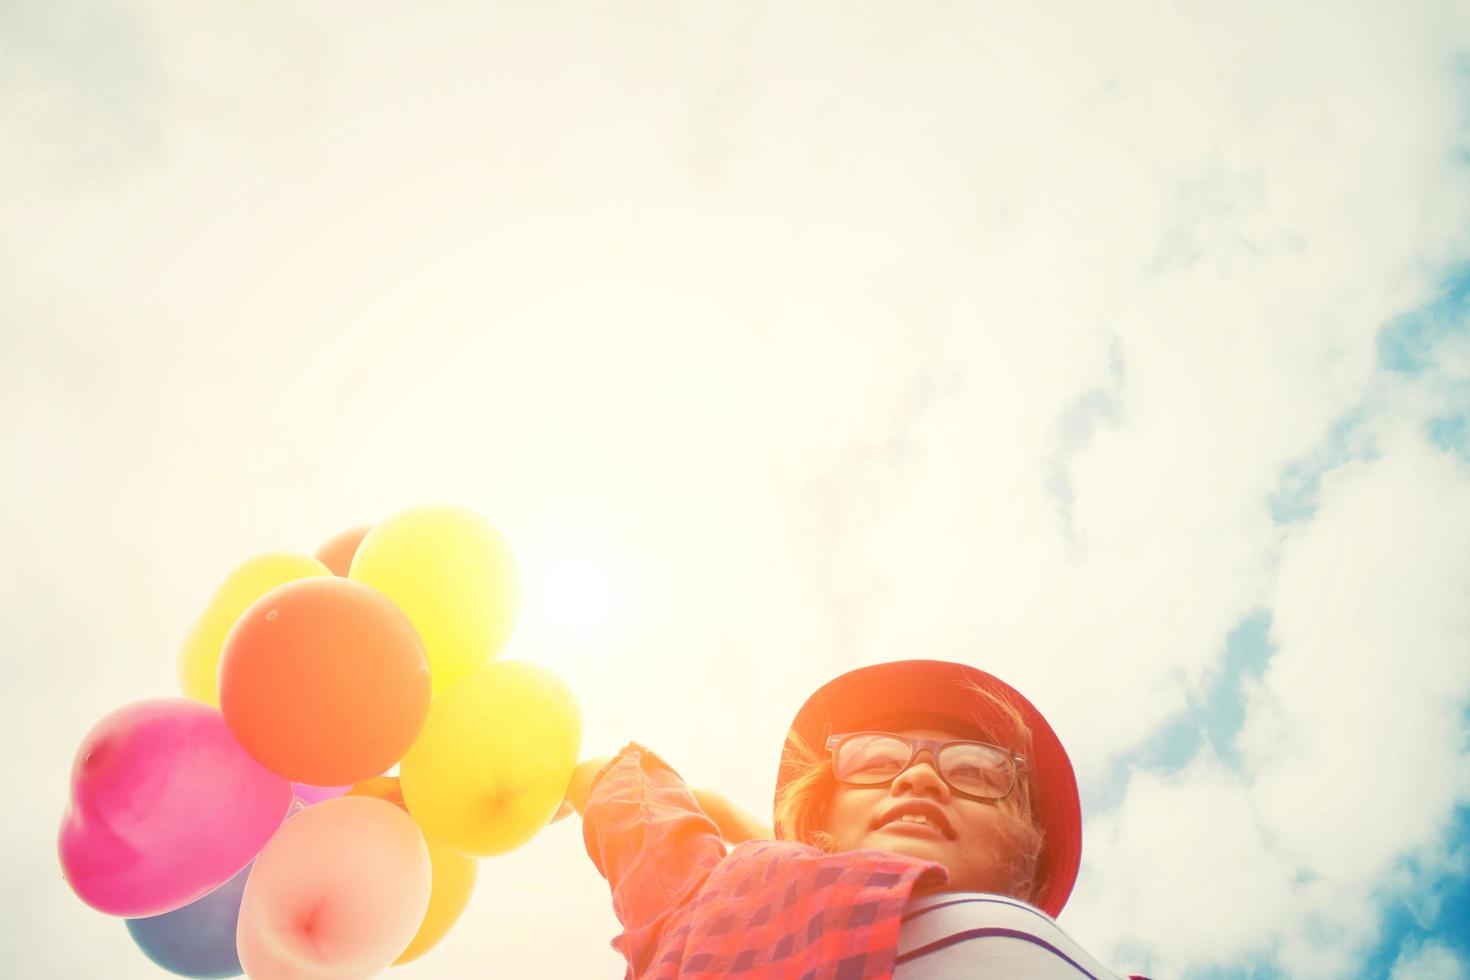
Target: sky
x=1121 y=350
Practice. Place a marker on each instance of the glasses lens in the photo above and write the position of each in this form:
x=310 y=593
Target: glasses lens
x=980 y=770
x=871 y=758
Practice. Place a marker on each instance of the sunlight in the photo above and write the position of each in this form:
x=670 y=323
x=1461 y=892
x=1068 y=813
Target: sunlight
x=582 y=597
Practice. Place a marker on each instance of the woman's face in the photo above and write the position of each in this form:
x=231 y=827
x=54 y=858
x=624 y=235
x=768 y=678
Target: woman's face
x=969 y=837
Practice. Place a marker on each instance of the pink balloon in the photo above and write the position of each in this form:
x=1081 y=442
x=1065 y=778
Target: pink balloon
x=309 y=794
x=165 y=807
x=337 y=894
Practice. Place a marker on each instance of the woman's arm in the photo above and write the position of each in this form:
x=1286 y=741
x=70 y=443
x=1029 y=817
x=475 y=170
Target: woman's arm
x=736 y=825
x=649 y=838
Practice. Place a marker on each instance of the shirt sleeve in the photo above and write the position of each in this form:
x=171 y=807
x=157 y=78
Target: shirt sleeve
x=651 y=841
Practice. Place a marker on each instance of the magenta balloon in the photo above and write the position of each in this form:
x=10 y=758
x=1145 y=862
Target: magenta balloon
x=309 y=794
x=165 y=807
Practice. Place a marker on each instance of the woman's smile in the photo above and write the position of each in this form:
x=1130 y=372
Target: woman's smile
x=912 y=827
x=917 y=812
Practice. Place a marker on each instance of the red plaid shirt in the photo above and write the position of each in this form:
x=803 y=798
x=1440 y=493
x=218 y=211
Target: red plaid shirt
x=765 y=909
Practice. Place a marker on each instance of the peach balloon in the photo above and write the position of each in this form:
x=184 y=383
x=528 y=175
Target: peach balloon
x=337 y=553
x=324 y=681
x=337 y=894
x=452 y=877
x=165 y=807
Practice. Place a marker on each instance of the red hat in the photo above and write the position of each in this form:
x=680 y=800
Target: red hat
x=935 y=694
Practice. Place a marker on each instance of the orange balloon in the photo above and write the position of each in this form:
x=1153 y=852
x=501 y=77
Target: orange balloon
x=337 y=553
x=452 y=876
x=324 y=681
x=336 y=894
x=381 y=788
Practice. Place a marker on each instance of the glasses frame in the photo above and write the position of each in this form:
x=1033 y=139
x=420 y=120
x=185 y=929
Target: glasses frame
x=1017 y=763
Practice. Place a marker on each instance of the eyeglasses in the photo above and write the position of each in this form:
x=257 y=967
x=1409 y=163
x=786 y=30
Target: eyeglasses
x=975 y=770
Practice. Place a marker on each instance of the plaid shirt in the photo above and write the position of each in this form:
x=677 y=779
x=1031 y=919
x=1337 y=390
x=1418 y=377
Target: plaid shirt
x=765 y=909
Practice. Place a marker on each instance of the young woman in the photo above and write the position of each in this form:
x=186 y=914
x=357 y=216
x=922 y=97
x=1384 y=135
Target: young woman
x=927 y=826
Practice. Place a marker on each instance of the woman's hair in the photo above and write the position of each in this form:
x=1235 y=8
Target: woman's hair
x=802 y=803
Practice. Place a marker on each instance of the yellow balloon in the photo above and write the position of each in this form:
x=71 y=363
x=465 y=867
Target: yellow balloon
x=452 y=877
x=454 y=576
x=493 y=760
x=199 y=659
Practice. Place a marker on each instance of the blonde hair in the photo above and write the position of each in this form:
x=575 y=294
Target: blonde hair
x=801 y=805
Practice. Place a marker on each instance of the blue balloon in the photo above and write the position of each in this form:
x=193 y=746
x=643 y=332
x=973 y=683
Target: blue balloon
x=197 y=940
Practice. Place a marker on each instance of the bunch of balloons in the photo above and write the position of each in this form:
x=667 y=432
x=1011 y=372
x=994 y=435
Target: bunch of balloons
x=250 y=827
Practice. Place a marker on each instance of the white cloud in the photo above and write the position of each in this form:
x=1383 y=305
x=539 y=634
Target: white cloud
x=1357 y=724
x=1181 y=870
x=1428 y=961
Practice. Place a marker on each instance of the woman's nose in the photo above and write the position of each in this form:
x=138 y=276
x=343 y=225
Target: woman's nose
x=921 y=778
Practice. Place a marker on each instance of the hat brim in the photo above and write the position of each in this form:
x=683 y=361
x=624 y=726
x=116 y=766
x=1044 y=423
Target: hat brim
x=940 y=694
